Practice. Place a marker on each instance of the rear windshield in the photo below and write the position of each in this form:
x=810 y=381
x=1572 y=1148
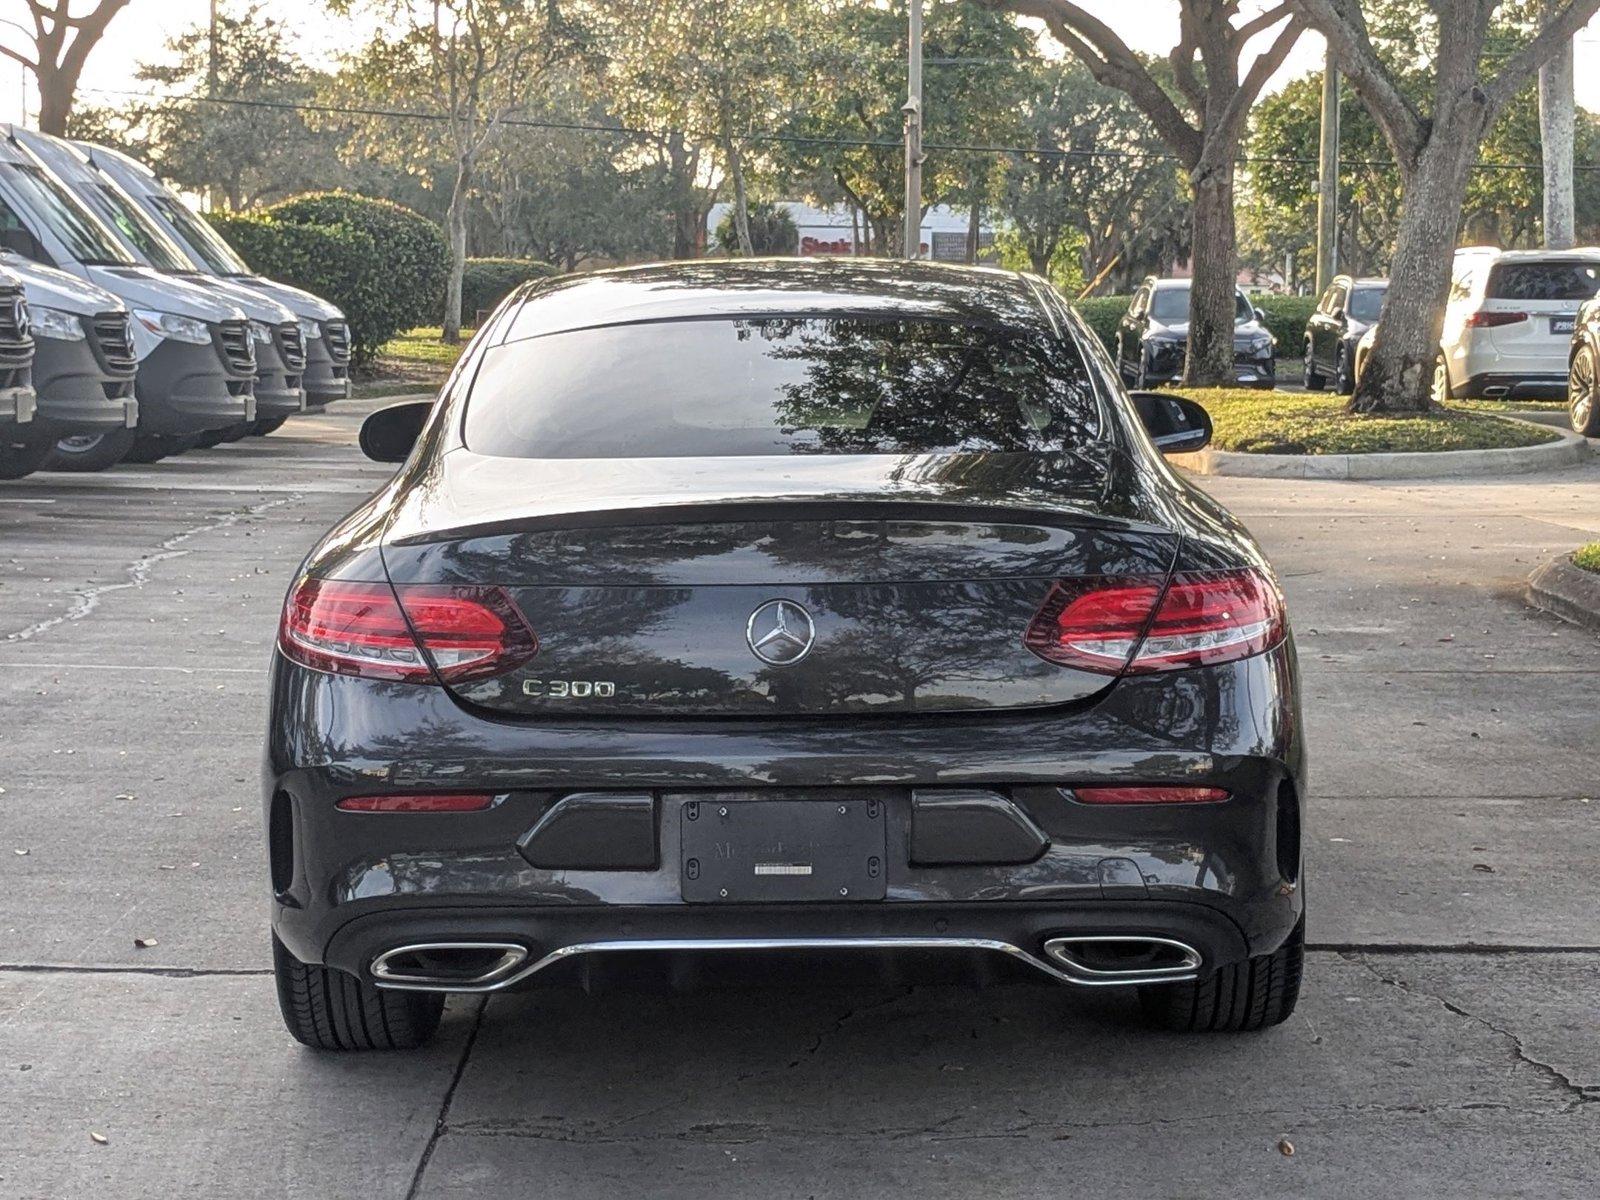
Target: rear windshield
x=780 y=385
x=1172 y=304
x=1544 y=281
x=1366 y=303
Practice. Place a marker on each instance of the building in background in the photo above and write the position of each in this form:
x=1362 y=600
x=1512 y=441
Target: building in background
x=832 y=232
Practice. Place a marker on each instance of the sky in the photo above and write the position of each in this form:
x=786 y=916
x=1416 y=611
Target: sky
x=141 y=32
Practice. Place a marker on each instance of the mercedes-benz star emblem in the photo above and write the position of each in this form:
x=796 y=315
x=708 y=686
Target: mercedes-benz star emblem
x=780 y=633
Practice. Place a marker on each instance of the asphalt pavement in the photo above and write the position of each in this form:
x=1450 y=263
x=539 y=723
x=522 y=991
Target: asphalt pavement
x=1447 y=1044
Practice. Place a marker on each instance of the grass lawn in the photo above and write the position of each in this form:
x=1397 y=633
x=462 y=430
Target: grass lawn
x=1259 y=422
x=415 y=361
x=1587 y=557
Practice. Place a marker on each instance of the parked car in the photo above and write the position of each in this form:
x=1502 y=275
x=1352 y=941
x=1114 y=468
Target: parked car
x=83 y=366
x=1153 y=337
x=1346 y=310
x=1583 y=371
x=323 y=328
x=195 y=353
x=279 y=351
x=909 y=643
x=16 y=381
x=1509 y=321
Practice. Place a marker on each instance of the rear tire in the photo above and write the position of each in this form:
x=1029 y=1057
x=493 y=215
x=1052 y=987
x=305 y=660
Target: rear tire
x=1583 y=393
x=1240 y=998
x=1344 y=378
x=90 y=452
x=1312 y=379
x=1439 y=391
x=329 y=1009
x=266 y=425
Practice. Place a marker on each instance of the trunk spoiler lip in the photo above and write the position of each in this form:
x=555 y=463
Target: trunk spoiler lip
x=732 y=509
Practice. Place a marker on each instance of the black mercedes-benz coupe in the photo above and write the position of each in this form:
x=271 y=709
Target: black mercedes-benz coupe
x=783 y=607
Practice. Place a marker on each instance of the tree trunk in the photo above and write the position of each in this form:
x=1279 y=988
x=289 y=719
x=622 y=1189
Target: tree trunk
x=974 y=220
x=1556 y=124
x=456 y=228
x=681 y=166
x=1399 y=375
x=741 y=202
x=55 y=102
x=1215 y=265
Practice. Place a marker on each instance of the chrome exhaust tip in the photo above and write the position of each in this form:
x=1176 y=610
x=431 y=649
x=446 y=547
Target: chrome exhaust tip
x=1125 y=959
x=447 y=966
x=1495 y=392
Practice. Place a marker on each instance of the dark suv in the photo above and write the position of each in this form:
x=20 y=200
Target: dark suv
x=1346 y=311
x=1153 y=338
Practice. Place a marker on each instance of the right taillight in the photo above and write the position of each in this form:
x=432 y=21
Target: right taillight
x=1137 y=625
x=413 y=633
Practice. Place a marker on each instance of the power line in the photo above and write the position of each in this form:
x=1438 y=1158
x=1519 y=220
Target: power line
x=351 y=110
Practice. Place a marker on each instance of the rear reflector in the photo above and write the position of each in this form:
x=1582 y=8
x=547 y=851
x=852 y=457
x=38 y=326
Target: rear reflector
x=1149 y=795
x=404 y=633
x=1492 y=320
x=1133 y=625
x=438 y=803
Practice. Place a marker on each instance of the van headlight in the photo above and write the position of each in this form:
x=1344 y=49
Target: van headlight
x=174 y=325
x=262 y=332
x=55 y=323
x=310 y=331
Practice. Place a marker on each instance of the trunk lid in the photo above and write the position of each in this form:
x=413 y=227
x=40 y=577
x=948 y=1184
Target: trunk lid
x=839 y=591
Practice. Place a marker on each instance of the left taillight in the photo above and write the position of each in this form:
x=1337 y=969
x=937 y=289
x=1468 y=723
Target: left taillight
x=1137 y=625
x=414 y=633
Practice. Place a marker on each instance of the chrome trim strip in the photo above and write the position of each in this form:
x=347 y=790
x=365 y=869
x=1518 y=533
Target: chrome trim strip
x=1059 y=948
x=512 y=956
x=1077 y=976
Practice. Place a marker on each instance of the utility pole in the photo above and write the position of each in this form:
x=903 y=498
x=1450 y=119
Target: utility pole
x=1557 y=127
x=913 y=113
x=1328 y=180
x=211 y=60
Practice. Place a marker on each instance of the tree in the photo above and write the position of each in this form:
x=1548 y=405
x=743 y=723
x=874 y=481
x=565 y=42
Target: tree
x=61 y=45
x=724 y=69
x=1095 y=180
x=846 y=142
x=476 y=63
x=1557 y=123
x=771 y=230
x=1201 y=119
x=1435 y=145
x=248 y=153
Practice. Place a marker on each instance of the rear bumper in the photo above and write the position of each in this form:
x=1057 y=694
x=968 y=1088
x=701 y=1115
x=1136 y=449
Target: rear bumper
x=1221 y=877
x=1512 y=386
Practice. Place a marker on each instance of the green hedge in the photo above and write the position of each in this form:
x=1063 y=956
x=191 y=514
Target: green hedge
x=487 y=281
x=1101 y=314
x=335 y=262
x=1286 y=318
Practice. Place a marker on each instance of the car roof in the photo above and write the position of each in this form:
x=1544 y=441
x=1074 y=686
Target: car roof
x=751 y=286
x=1362 y=280
x=1576 y=254
x=1173 y=283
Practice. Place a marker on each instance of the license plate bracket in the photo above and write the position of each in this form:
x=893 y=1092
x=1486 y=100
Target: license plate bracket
x=777 y=851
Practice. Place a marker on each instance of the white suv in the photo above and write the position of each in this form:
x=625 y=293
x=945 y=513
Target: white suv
x=1508 y=324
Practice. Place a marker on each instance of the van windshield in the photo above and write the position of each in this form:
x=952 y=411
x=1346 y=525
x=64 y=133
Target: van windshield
x=202 y=241
x=86 y=239
x=777 y=385
x=140 y=231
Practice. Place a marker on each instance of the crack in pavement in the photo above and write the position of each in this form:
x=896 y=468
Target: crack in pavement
x=168 y=972
x=440 y=1123
x=848 y=1016
x=86 y=600
x=1580 y=1094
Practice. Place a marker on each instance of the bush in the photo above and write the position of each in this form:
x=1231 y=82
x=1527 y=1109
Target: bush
x=772 y=231
x=487 y=281
x=1286 y=320
x=1101 y=314
x=408 y=270
x=340 y=263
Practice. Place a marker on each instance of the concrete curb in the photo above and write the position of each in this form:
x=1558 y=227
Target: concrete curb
x=1566 y=590
x=1568 y=450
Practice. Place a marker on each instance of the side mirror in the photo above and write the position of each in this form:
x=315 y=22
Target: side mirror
x=1261 y=314
x=1337 y=314
x=388 y=434
x=1176 y=425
